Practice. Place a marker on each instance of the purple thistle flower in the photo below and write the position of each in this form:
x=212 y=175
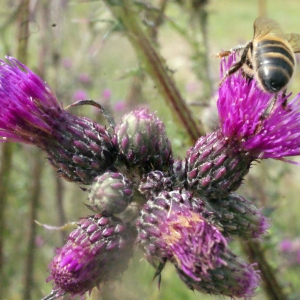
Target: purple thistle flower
x=97 y=251
x=172 y=228
x=29 y=112
x=233 y=278
x=218 y=162
x=241 y=105
x=196 y=245
x=25 y=102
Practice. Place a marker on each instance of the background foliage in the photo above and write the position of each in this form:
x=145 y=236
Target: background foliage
x=82 y=52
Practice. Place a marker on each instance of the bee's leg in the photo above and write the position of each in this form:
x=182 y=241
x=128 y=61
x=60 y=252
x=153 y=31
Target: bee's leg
x=269 y=108
x=265 y=114
x=238 y=64
x=222 y=54
x=284 y=103
x=228 y=52
x=271 y=105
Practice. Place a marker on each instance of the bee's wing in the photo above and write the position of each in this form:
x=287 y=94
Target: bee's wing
x=264 y=26
x=294 y=41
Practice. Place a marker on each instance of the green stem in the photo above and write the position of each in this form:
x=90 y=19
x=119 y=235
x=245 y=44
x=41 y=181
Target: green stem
x=272 y=288
x=35 y=192
x=154 y=64
x=5 y=170
x=23 y=32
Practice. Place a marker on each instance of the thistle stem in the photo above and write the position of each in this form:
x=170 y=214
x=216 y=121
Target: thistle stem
x=5 y=171
x=272 y=288
x=154 y=64
x=35 y=193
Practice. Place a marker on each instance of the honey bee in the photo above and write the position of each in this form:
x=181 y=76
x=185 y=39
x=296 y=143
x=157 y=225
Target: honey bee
x=269 y=58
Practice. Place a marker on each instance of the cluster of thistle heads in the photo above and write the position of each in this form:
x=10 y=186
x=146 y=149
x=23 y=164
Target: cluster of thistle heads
x=179 y=211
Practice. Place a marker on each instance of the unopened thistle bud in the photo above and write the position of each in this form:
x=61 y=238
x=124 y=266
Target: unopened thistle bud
x=110 y=193
x=239 y=216
x=97 y=251
x=77 y=147
x=216 y=166
x=143 y=141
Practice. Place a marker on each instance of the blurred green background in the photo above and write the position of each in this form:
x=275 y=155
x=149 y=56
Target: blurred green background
x=82 y=53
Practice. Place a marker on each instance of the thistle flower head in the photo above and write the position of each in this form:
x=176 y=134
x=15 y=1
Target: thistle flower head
x=218 y=162
x=143 y=141
x=110 y=193
x=26 y=103
x=216 y=166
x=241 y=106
x=238 y=216
x=172 y=228
x=97 y=251
x=196 y=245
x=234 y=278
x=29 y=112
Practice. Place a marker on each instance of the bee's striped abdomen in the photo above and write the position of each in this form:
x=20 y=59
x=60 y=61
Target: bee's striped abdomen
x=275 y=64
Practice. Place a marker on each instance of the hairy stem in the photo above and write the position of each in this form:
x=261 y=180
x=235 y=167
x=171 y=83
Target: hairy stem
x=272 y=288
x=5 y=170
x=153 y=64
x=34 y=197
